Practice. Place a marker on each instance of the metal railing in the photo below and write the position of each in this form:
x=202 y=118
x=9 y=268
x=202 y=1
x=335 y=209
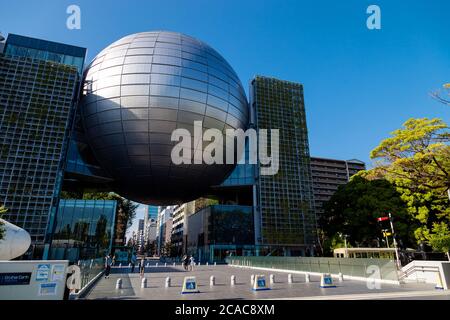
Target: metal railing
x=90 y=269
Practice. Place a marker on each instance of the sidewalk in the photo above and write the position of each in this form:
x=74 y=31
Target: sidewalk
x=281 y=289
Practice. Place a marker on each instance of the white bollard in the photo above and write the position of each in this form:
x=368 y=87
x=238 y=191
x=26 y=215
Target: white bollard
x=144 y=283
x=341 y=277
x=215 y=263
x=233 y=280
x=212 y=281
x=168 y=282
x=119 y=284
x=207 y=263
x=148 y=264
x=307 y=279
x=272 y=279
x=174 y=264
x=165 y=264
x=252 y=279
x=198 y=263
x=290 y=280
x=156 y=265
x=120 y=265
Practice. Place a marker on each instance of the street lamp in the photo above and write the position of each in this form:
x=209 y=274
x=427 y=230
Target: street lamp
x=345 y=243
x=395 y=242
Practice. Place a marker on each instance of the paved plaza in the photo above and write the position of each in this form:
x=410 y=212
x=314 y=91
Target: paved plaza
x=281 y=289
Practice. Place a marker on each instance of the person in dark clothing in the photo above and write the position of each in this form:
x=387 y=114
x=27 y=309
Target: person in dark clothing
x=133 y=262
x=108 y=262
x=142 y=267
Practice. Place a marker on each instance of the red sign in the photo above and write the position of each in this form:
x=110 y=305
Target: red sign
x=382 y=219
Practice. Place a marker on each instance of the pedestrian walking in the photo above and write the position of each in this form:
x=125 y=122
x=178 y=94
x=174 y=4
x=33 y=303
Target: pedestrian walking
x=185 y=262
x=142 y=267
x=108 y=262
x=133 y=262
x=192 y=263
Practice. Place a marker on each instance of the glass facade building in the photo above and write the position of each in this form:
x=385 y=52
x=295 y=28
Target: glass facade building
x=39 y=49
x=37 y=103
x=285 y=214
x=83 y=229
x=217 y=230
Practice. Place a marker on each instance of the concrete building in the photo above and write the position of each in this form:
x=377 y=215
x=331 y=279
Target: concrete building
x=180 y=226
x=150 y=226
x=164 y=226
x=328 y=175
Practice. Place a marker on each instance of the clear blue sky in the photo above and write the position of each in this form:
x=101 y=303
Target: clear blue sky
x=359 y=84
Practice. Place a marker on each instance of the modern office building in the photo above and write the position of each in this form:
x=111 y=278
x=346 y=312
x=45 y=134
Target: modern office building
x=129 y=103
x=179 y=227
x=150 y=226
x=39 y=85
x=83 y=230
x=206 y=233
x=285 y=216
x=152 y=212
x=164 y=227
x=217 y=231
x=2 y=42
x=277 y=211
x=328 y=175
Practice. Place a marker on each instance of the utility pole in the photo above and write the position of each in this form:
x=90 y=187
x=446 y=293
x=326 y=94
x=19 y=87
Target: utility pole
x=385 y=231
x=399 y=266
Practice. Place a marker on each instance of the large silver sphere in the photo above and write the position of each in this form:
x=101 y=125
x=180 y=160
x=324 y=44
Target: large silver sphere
x=141 y=88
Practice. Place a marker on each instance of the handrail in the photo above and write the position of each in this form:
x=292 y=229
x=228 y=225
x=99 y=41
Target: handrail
x=412 y=269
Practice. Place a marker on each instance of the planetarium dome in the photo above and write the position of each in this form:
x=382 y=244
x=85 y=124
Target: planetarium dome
x=141 y=88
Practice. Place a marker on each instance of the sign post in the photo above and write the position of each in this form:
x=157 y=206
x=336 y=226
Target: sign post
x=399 y=266
x=189 y=285
x=326 y=281
x=260 y=283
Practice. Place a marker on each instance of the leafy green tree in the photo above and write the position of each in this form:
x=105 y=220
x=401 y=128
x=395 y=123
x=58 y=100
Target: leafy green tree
x=416 y=159
x=439 y=238
x=168 y=250
x=3 y=210
x=354 y=208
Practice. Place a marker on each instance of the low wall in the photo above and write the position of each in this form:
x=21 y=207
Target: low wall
x=376 y=270
x=431 y=272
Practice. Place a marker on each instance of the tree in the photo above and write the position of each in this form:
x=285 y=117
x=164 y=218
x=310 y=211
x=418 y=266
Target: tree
x=439 y=95
x=354 y=208
x=417 y=156
x=416 y=159
x=439 y=238
x=3 y=210
x=168 y=250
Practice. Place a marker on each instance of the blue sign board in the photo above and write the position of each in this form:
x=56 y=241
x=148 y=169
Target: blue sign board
x=15 y=278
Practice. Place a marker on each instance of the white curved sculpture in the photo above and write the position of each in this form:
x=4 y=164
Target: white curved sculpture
x=15 y=243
